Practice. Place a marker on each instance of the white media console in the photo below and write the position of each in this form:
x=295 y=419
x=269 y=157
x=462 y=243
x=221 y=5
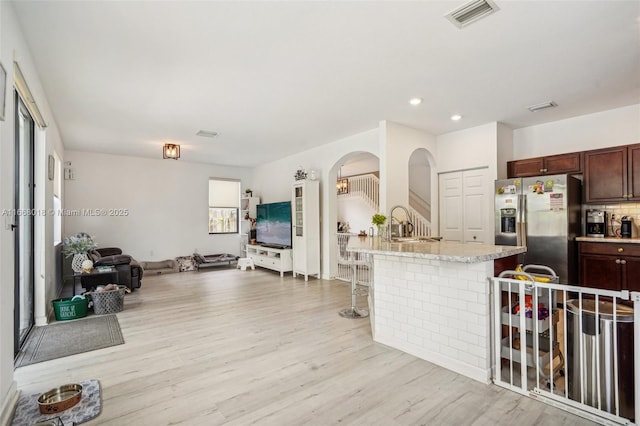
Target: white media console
x=271 y=258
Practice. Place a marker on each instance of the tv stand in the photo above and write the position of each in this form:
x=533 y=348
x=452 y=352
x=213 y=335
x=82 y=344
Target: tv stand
x=274 y=246
x=276 y=259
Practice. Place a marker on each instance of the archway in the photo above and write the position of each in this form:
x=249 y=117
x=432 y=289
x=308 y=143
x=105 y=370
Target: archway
x=422 y=191
x=352 y=210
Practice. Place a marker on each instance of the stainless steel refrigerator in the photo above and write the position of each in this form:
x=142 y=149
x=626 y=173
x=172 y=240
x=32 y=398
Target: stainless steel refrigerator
x=542 y=213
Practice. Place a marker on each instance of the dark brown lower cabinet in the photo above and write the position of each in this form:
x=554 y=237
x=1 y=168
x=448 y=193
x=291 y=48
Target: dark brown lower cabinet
x=610 y=266
x=504 y=264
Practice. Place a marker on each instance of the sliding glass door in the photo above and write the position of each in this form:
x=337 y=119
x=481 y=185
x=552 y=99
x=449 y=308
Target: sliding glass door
x=24 y=223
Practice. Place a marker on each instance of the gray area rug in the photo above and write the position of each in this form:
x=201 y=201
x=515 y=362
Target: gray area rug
x=66 y=338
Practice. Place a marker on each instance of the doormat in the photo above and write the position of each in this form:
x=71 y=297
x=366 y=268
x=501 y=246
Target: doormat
x=66 y=338
x=90 y=405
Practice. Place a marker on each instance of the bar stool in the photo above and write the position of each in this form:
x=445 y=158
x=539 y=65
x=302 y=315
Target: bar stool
x=357 y=265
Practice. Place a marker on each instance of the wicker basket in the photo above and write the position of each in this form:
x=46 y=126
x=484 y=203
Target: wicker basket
x=108 y=302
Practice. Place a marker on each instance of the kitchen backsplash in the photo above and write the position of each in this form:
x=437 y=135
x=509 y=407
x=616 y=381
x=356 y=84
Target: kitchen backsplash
x=619 y=210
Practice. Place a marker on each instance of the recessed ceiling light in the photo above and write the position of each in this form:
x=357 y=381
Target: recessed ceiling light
x=415 y=101
x=207 y=133
x=456 y=117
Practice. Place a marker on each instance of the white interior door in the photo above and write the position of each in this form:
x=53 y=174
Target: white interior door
x=451 y=207
x=477 y=207
x=466 y=208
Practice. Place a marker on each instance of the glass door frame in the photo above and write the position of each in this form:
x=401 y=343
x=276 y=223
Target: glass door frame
x=23 y=251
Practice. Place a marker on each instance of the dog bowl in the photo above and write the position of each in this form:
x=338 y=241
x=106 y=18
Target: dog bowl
x=60 y=399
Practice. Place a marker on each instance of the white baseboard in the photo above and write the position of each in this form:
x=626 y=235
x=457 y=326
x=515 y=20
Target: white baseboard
x=9 y=405
x=40 y=321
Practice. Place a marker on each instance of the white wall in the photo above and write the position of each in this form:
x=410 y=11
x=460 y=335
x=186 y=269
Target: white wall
x=399 y=143
x=505 y=149
x=167 y=203
x=356 y=211
x=620 y=126
x=13 y=47
x=469 y=149
x=8 y=391
x=420 y=180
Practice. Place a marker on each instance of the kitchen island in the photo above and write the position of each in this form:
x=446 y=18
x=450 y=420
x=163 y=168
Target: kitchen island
x=431 y=299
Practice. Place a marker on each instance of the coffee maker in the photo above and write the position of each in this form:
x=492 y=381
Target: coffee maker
x=626 y=228
x=596 y=223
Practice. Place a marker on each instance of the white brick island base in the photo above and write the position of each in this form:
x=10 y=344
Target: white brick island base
x=436 y=310
x=431 y=299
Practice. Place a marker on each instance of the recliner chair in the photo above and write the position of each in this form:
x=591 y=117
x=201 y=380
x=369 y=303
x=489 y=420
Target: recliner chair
x=129 y=270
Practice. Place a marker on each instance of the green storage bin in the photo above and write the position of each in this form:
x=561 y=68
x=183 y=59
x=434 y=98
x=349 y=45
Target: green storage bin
x=67 y=309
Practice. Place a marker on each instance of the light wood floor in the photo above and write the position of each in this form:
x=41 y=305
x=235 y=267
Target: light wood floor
x=235 y=347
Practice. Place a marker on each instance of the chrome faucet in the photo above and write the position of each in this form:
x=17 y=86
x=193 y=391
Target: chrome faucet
x=399 y=207
x=409 y=225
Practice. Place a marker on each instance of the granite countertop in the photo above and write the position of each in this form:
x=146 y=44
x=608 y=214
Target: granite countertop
x=447 y=251
x=609 y=240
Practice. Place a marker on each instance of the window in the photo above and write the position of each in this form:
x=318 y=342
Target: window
x=224 y=203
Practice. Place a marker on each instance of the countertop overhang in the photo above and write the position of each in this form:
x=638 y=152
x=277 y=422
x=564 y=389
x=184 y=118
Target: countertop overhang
x=442 y=250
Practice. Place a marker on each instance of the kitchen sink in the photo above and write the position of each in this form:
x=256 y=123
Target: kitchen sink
x=415 y=239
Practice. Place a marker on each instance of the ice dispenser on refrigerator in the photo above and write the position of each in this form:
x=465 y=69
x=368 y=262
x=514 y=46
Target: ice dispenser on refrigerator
x=508 y=220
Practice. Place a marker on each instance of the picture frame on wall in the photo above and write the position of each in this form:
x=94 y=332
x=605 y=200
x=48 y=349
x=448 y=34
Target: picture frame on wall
x=3 y=91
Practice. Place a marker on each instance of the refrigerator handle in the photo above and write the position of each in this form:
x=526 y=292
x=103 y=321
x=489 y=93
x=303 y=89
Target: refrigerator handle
x=523 y=220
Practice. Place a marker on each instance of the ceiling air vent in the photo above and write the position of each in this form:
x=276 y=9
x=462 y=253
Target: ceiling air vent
x=207 y=133
x=471 y=12
x=536 y=108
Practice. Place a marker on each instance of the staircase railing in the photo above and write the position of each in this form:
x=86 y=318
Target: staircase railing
x=367 y=187
x=421 y=226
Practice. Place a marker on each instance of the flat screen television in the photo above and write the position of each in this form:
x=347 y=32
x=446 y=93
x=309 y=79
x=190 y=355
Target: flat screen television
x=273 y=224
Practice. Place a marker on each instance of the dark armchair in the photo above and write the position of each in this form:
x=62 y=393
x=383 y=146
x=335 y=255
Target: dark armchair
x=128 y=269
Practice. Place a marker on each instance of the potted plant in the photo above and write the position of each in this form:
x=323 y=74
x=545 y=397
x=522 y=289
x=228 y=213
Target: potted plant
x=379 y=220
x=78 y=246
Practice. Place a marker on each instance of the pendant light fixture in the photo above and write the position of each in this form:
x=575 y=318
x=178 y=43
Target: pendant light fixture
x=171 y=151
x=342 y=184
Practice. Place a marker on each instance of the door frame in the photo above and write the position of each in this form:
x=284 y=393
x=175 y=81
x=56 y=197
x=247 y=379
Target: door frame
x=22 y=220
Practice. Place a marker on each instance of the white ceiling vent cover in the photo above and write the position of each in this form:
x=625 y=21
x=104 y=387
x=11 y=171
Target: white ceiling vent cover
x=545 y=105
x=471 y=12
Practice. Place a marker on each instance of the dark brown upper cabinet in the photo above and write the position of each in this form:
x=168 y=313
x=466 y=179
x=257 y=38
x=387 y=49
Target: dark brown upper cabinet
x=612 y=174
x=551 y=165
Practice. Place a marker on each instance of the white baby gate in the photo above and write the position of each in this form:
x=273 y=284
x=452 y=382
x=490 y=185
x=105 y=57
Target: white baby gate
x=573 y=347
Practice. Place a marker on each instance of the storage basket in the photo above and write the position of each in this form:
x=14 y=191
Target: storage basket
x=67 y=309
x=108 y=302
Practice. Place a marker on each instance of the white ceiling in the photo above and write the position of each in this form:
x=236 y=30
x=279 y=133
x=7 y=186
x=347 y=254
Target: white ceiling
x=275 y=78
